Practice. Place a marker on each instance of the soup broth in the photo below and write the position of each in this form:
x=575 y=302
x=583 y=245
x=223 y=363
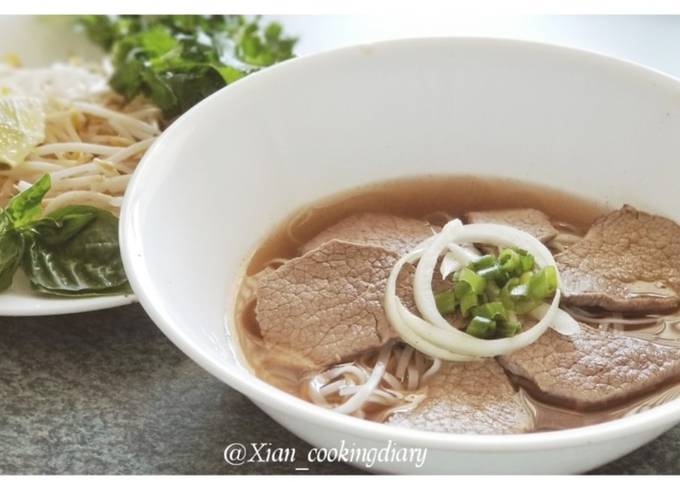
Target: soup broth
x=436 y=199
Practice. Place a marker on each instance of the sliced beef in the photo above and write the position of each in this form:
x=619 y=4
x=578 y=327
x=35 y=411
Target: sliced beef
x=593 y=369
x=474 y=397
x=531 y=221
x=395 y=233
x=629 y=261
x=327 y=305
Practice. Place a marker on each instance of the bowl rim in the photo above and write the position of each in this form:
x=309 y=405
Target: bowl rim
x=268 y=396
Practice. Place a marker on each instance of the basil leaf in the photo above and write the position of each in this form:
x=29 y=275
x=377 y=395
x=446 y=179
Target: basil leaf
x=185 y=85
x=63 y=224
x=25 y=207
x=11 y=250
x=74 y=252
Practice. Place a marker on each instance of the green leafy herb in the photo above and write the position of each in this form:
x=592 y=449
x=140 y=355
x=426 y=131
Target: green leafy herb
x=11 y=250
x=25 y=206
x=73 y=251
x=177 y=60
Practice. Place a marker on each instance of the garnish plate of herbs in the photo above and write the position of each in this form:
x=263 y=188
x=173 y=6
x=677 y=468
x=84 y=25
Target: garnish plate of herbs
x=73 y=128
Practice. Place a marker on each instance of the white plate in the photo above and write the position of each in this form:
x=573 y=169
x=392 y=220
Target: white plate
x=570 y=119
x=20 y=300
x=38 y=42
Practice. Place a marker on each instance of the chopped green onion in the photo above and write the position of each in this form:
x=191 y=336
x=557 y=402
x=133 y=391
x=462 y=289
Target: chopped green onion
x=467 y=302
x=492 y=273
x=505 y=297
x=486 y=261
x=492 y=290
x=509 y=326
x=525 y=306
x=446 y=301
x=481 y=327
x=476 y=282
x=520 y=292
x=460 y=289
x=527 y=262
x=493 y=311
x=543 y=283
x=525 y=277
x=510 y=261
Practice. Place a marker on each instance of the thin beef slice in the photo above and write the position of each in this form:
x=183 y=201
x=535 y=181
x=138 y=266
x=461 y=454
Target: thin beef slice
x=629 y=261
x=592 y=369
x=327 y=306
x=531 y=221
x=394 y=233
x=472 y=397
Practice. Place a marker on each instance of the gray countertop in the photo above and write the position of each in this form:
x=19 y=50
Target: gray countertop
x=107 y=393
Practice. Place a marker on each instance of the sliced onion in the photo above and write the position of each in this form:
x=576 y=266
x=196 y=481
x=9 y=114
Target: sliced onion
x=563 y=322
x=436 y=336
x=394 y=309
x=450 y=264
x=456 y=258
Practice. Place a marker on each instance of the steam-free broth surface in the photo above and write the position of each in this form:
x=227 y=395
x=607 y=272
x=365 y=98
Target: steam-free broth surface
x=421 y=197
x=435 y=199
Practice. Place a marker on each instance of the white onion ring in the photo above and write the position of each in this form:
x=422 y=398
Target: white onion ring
x=394 y=309
x=456 y=258
x=437 y=337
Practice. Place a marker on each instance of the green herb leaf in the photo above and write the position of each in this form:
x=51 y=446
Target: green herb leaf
x=75 y=252
x=177 y=60
x=11 y=251
x=25 y=207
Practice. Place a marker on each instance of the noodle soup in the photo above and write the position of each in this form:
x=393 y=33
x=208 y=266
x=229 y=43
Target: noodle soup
x=413 y=387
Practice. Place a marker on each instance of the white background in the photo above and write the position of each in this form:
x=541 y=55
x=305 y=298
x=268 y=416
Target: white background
x=650 y=40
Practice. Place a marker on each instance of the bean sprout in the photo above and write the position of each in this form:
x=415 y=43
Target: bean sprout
x=93 y=138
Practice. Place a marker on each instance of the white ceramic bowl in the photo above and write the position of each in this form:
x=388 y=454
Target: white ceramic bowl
x=223 y=174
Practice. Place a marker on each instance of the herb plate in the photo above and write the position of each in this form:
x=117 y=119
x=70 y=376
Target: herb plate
x=21 y=300
x=39 y=42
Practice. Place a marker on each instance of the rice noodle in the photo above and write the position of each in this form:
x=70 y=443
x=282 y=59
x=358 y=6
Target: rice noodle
x=356 y=401
x=403 y=362
x=93 y=138
x=392 y=379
